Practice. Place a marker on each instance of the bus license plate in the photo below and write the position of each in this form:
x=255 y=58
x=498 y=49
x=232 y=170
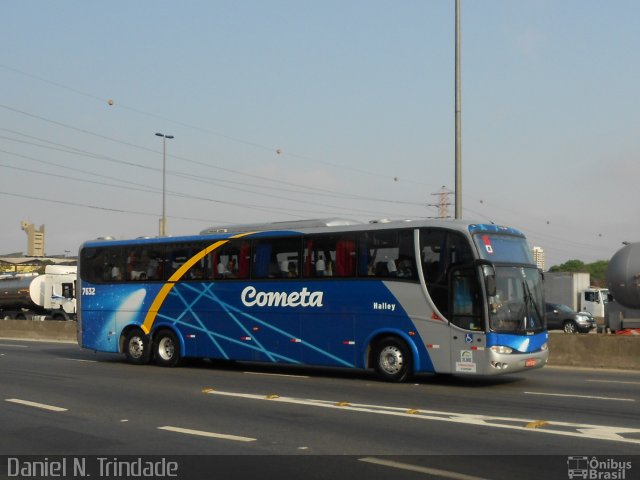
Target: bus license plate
x=530 y=362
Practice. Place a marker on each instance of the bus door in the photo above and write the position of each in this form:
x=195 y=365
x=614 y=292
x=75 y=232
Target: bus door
x=468 y=340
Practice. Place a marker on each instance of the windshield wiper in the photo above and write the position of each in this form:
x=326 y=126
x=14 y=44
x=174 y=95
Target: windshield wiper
x=528 y=298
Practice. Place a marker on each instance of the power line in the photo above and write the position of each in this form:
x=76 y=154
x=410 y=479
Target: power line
x=97 y=207
x=196 y=162
x=206 y=180
x=207 y=131
x=144 y=188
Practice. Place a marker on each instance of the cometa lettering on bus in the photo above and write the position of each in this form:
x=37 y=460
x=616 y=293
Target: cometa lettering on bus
x=304 y=298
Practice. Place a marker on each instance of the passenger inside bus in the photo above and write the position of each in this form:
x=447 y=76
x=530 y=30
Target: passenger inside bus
x=152 y=266
x=115 y=273
x=226 y=270
x=292 y=270
x=405 y=268
x=223 y=271
x=320 y=266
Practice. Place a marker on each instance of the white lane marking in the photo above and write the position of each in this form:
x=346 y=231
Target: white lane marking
x=614 y=381
x=207 y=434
x=581 y=396
x=276 y=374
x=580 y=430
x=36 y=405
x=80 y=360
x=417 y=468
x=13 y=345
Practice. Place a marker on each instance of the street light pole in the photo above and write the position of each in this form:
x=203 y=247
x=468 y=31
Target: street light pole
x=458 y=133
x=163 y=220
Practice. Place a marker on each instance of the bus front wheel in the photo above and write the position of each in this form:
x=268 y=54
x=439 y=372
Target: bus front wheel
x=166 y=348
x=392 y=359
x=136 y=347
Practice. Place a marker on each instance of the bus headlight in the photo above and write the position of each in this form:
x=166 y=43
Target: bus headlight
x=544 y=346
x=501 y=349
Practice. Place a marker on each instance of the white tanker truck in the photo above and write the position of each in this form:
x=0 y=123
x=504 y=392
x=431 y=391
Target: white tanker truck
x=52 y=295
x=623 y=280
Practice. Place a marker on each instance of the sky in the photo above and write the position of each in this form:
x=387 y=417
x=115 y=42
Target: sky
x=295 y=109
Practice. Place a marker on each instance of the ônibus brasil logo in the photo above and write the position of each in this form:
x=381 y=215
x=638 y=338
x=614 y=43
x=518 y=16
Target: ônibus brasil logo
x=304 y=298
x=595 y=469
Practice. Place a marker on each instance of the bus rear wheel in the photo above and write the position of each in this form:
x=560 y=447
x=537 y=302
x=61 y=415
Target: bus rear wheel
x=392 y=359
x=136 y=347
x=166 y=348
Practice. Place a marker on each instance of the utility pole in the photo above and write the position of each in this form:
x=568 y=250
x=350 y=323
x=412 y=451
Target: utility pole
x=163 y=220
x=458 y=128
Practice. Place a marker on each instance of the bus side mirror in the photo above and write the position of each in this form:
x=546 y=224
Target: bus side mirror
x=491 y=285
x=489 y=279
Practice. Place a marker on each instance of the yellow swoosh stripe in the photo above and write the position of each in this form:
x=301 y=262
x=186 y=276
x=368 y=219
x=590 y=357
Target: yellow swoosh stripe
x=152 y=313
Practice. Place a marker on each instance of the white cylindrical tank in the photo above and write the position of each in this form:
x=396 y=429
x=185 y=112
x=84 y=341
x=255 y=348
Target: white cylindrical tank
x=36 y=290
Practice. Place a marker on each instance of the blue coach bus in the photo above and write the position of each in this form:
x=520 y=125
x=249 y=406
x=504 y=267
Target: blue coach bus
x=442 y=296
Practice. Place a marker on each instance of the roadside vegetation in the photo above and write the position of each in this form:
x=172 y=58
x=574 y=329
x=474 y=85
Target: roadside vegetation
x=597 y=270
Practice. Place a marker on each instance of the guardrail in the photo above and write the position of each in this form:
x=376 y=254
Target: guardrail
x=587 y=351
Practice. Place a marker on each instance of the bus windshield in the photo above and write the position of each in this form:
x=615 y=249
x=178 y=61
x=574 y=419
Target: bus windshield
x=517 y=306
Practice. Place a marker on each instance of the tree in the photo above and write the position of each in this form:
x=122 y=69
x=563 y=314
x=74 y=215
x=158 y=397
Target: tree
x=597 y=270
x=570 y=266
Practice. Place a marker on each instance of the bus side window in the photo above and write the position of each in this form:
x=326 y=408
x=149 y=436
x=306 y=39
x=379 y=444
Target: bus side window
x=406 y=256
x=465 y=301
x=433 y=247
x=330 y=255
x=93 y=265
x=175 y=257
x=276 y=258
x=233 y=260
x=441 y=251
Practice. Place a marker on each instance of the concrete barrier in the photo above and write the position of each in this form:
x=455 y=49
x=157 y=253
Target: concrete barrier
x=587 y=351
x=53 y=330
x=595 y=351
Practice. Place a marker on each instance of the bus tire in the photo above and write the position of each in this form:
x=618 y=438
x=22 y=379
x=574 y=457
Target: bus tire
x=136 y=347
x=166 y=348
x=392 y=359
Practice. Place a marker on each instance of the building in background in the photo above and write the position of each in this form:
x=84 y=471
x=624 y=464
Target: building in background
x=35 y=239
x=538 y=257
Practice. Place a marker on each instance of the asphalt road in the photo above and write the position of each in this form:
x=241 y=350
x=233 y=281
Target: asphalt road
x=56 y=399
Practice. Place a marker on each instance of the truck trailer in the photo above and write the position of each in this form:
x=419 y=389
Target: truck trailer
x=574 y=289
x=24 y=296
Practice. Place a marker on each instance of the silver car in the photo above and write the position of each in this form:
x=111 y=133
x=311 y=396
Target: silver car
x=563 y=317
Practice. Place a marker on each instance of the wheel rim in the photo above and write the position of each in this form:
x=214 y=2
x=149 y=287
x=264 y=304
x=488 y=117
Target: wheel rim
x=136 y=347
x=166 y=348
x=391 y=360
x=569 y=327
